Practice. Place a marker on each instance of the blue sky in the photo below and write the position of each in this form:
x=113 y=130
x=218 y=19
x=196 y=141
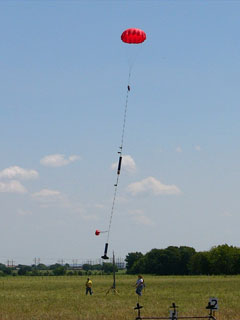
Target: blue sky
x=63 y=83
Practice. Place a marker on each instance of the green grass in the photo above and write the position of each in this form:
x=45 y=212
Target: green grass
x=58 y=298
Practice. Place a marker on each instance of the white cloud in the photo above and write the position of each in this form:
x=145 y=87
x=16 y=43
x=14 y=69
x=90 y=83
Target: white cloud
x=140 y=218
x=17 y=172
x=198 y=148
x=179 y=149
x=52 y=198
x=46 y=193
x=12 y=186
x=58 y=160
x=128 y=164
x=153 y=186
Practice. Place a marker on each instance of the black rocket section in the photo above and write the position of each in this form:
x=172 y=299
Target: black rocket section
x=105 y=257
x=119 y=165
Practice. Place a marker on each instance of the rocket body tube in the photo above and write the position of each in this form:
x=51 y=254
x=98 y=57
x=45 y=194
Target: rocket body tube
x=119 y=165
x=105 y=257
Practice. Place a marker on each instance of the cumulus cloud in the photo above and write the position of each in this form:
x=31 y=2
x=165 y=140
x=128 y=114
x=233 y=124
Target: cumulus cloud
x=153 y=186
x=48 y=198
x=128 y=164
x=58 y=160
x=140 y=218
x=12 y=186
x=46 y=193
x=19 y=173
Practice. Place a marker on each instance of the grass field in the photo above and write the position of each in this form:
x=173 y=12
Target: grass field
x=58 y=298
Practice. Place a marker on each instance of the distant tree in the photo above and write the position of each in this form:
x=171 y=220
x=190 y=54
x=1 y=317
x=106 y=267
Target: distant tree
x=108 y=267
x=154 y=262
x=2 y=266
x=132 y=258
x=35 y=272
x=169 y=261
x=236 y=261
x=162 y=261
x=54 y=266
x=87 y=266
x=186 y=253
x=199 y=263
x=6 y=270
x=138 y=266
x=224 y=259
x=97 y=267
x=41 y=266
x=59 y=271
x=23 y=270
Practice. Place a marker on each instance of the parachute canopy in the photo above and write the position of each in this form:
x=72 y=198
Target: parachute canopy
x=97 y=232
x=133 y=35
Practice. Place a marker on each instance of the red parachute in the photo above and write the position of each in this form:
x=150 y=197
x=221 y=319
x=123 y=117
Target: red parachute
x=133 y=35
x=97 y=232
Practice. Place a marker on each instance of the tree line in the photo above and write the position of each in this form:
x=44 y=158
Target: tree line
x=56 y=270
x=183 y=260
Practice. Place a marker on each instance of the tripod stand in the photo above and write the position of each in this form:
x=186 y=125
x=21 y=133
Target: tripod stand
x=113 y=287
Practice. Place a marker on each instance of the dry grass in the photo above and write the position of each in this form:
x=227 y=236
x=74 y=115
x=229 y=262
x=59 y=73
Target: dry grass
x=35 y=298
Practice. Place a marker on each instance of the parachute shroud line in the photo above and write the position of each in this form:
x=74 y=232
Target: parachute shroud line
x=119 y=167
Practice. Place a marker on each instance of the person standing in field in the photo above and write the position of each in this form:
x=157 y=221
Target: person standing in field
x=89 y=287
x=139 y=285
